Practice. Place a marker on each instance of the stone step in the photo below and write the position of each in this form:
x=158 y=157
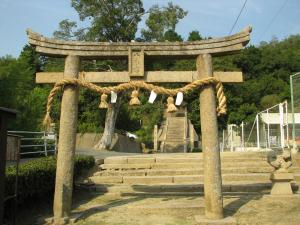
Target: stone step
x=175 y=131
x=185 y=165
x=174 y=141
x=224 y=155
x=200 y=160
x=174 y=138
x=178 y=165
x=170 y=172
x=178 y=179
x=135 y=160
x=185 y=189
x=176 y=124
x=254 y=187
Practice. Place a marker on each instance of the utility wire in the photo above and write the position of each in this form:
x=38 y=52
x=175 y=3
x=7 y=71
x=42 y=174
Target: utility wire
x=236 y=20
x=272 y=20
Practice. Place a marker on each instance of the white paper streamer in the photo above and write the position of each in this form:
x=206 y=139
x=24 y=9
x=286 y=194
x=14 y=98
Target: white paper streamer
x=179 y=98
x=152 y=97
x=113 y=97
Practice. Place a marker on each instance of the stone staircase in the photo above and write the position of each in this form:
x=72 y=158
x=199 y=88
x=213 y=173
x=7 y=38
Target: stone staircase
x=182 y=173
x=175 y=134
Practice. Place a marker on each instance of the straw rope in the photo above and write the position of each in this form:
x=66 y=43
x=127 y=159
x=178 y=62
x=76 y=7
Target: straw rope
x=221 y=109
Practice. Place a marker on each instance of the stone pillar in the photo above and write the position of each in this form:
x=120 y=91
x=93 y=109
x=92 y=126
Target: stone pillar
x=210 y=143
x=155 y=138
x=192 y=137
x=66 y=146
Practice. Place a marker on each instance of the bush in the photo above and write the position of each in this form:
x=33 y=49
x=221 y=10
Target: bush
x=37 y=177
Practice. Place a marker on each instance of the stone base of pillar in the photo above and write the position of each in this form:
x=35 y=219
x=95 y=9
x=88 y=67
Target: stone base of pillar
x=294 y=151
x=225 y=221
x=281 y=183
x=63 y=221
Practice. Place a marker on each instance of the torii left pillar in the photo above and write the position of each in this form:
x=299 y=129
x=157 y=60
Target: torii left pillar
x=66 y=146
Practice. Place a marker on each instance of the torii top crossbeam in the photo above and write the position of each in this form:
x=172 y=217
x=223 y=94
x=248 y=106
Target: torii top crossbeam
x=215 y=46
x=136 y=52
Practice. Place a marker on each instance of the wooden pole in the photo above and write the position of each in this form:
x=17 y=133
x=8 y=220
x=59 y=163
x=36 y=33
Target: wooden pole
x=210 y=143
x=66 y=146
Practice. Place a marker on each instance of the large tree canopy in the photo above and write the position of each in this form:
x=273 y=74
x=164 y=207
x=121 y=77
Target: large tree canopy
x=162 y=19
x=110 y=20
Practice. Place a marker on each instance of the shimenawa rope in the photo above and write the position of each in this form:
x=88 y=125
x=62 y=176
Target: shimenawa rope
x=221 y=109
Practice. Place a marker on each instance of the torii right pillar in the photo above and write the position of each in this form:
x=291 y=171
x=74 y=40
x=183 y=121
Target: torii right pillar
x=210 y=144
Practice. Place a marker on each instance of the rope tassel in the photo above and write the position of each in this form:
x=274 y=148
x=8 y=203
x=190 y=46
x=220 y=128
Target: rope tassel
x=170 y=103
x=134 y=98
x=103 y=103
x=221 y=109
x=47 y=121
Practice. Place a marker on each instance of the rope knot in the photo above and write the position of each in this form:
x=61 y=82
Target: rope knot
x=170 y=105
x=134 y=98
x=103 y=102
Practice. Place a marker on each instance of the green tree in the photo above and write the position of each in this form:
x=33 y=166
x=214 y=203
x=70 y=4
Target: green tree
x=194 y=36
x=67 y=30
x=110 y=20
x=162 y=19
x=172 y=36
x=17 y=88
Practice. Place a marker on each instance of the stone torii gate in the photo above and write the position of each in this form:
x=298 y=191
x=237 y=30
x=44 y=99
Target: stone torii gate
x=137 y=53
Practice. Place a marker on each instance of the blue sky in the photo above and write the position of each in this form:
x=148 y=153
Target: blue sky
x=210 y=17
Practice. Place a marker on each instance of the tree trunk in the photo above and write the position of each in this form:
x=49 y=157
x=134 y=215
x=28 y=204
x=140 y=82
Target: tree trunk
x=109 y=129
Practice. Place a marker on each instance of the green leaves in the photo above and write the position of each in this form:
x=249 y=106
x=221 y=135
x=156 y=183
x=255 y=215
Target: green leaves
x=162 y=19
x=110 y=20
x=37 y=177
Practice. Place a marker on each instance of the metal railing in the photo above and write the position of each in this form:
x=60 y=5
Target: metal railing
x=37 y=142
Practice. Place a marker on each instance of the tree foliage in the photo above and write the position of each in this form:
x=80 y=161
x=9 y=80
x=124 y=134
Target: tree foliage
x=162 y=19
x=110 y=20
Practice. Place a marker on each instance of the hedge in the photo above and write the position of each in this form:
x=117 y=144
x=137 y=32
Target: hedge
x=37 y=177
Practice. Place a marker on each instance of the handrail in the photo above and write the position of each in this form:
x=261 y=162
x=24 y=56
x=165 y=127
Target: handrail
x=35 y=141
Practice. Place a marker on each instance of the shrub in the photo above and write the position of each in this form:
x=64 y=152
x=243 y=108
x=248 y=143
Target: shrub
x=37 y=177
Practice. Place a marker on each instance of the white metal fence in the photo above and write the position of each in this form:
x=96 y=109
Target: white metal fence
x=37 y=142
x=269 y=130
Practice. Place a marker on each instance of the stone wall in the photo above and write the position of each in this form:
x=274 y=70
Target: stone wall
x=120 y=143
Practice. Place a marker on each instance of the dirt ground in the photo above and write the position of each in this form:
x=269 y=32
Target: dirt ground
x=175 y=209
x=181 y=210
